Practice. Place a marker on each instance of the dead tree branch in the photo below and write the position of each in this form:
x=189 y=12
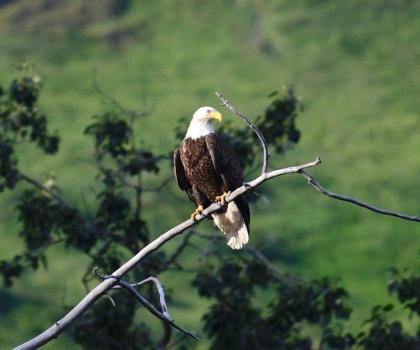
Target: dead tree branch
x=142 y=300
x=116 y=279
x=59 y=326
x=159 y=288
x=311 y=179
x=314 y=182
x=131 y=288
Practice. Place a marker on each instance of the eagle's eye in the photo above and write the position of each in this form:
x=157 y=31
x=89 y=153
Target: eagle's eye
x=209 y=111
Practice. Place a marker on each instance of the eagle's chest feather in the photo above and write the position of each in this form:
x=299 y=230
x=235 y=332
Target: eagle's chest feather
x=199 y=168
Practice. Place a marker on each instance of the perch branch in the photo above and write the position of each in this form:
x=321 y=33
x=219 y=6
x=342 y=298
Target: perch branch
x=106 y=285
x=109 y=283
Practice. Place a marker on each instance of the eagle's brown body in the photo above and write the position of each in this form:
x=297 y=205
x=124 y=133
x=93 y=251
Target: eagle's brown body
x=205 y=168
x=200 y=170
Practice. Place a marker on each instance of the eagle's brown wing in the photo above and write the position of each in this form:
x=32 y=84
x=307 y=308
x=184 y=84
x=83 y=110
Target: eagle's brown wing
x=225 y=161
x=227 y=165
x=180 y=176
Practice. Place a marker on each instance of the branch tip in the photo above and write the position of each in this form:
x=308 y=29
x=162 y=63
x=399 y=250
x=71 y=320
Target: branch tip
x=266 y=153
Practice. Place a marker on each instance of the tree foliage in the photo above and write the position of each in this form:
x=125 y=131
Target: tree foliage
x=237 y=318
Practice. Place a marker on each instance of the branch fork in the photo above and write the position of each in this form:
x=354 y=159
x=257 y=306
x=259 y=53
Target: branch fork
x=131 y=288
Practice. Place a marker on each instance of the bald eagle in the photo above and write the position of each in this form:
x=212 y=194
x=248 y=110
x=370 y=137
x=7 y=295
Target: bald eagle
x=207 y=169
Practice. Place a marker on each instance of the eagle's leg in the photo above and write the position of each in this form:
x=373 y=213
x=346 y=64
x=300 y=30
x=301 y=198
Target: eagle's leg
x=221 y=200
x=198 y=211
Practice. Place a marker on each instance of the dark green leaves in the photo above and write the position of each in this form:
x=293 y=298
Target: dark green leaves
x=21 y=121
x=383 y=334
x=252 y=305
x=111 y=134
x=278 y=123
x=8 y=162
x=25 y=91
x=235 y=322
x=106 y=327
x=11 y=269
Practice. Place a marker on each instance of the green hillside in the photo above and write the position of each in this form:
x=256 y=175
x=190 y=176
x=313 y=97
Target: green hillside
x=355 y=65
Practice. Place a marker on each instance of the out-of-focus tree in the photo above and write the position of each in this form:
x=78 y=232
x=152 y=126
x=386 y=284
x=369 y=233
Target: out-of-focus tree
x=236 y=319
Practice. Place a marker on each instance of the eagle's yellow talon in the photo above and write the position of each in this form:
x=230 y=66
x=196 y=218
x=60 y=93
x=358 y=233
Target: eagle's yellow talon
x=198 y=211
x=221 y=200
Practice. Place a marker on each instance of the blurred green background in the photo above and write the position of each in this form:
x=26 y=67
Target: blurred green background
x=355 y=65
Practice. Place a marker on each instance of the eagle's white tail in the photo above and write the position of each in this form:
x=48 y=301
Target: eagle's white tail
x=233 y=226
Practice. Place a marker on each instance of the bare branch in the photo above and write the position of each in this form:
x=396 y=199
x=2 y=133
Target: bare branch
x=160 y=290
x=266 y=153
x=166 y=337
x=311 y=179
x=142 y=300
x=115 y=279
x=314 y=182
x=110 y=299
x=130 y=287
x=59 y=326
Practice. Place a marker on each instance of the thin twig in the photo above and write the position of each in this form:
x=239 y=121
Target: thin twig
x=266 y=153
x=314 y=182
x=110 y=299
x=102 y=250
x=166 y=337
x=160 y=290
x=142 y=300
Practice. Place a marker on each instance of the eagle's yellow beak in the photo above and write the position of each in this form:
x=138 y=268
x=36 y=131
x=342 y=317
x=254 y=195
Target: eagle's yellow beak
x=216 y=115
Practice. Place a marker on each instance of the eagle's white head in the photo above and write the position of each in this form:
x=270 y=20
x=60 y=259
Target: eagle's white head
x=201 y=122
